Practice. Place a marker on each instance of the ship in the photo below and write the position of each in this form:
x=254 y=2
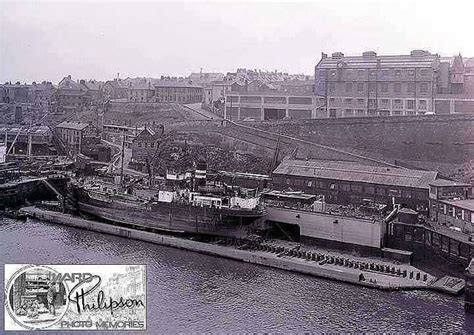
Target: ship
x=208 y=209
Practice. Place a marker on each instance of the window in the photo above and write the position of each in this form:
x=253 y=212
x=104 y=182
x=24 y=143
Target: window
x=424 y=72
x=371 y=87
x=348 y=87
x=397 y=113
x=333 y=73
x=422 y=104
x=385 y=102
x=360 y=73
x=348 y=101
x=356 y=188
x=332 y=100
x=348 y=112
x=424 y=87
x=398 y=72
x=345 y=187
x=360 y=87
x=372 y=112
x=411 y=88
x=372 y=102
x=373 y=72
x=360 y=112
x=397 y=87
x=332 y=87
x=360 y=101
x=385 y=73
x=410 y=104
x=300 y=101
x=332 y=113
x=384 y=87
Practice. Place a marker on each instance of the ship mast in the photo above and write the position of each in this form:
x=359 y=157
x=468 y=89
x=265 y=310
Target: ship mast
x=122 y=159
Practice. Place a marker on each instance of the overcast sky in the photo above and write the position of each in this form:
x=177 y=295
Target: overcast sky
x=96 y=39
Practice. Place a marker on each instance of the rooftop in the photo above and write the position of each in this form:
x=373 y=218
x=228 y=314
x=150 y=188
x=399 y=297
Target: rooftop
x=355 y=172
x=73 y=125
x=446 y=182
x=418 y=58
x=171 y=83
x=464 y=204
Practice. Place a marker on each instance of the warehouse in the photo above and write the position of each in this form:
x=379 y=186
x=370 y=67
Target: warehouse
x=354 y=183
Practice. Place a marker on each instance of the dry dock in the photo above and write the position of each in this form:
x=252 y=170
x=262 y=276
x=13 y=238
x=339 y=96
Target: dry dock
x=379 y=273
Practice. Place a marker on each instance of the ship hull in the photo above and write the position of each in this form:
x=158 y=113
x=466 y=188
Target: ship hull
x=171 y=217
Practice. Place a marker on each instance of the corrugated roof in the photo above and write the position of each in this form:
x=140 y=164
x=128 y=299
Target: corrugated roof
x=72 y=125
x=349 y=171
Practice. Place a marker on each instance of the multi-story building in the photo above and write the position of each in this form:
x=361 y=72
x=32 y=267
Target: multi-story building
x=42 y=94
x=451 y=204
x=214 y=96
x=14 y=93
x=392 y=85
x=373 y=85
x=178 y=92
x=142 y=91
x=114 y=89
x=72 y=134
x=257 y=101
x=455 y=86
x=145 y=144
x=71 y=96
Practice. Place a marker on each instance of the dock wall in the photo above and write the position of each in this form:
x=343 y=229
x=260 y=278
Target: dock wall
x=255 y=257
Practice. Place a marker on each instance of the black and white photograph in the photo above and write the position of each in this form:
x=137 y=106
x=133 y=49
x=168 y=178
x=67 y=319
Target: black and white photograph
x=237 y=167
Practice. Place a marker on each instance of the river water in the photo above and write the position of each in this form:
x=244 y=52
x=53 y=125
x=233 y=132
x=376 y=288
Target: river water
x=190 y=292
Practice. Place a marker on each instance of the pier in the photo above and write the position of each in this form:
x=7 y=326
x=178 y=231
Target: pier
x=369 y=272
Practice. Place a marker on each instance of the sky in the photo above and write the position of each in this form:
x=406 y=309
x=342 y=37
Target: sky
x=42 y=40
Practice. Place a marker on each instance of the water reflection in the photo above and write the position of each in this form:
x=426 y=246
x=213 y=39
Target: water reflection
x=189 y=292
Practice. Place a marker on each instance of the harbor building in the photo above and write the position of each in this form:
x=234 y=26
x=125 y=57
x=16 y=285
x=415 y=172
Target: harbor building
x=353 y=183
x=452 y=204
x=393 y=85
x=73 y=134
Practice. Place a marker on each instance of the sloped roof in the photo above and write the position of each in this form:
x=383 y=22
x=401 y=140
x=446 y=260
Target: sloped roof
x=69 y=84
x=446 y=182
x=385 y=61
x=465 y=204
x=172 y=83
x=73 y=125
x=355 y=172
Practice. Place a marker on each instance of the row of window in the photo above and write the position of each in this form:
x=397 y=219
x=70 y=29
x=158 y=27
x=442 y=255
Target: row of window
x=141 y=144
x=372 y=103
x=350 y=87
x=277 y=100
x=352 y=188
x=457 y=213
x=381 y=72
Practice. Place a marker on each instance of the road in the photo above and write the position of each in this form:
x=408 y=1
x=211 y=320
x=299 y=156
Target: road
x=200 y=113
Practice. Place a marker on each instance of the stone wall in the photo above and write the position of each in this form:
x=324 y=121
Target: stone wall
x=440 y=138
